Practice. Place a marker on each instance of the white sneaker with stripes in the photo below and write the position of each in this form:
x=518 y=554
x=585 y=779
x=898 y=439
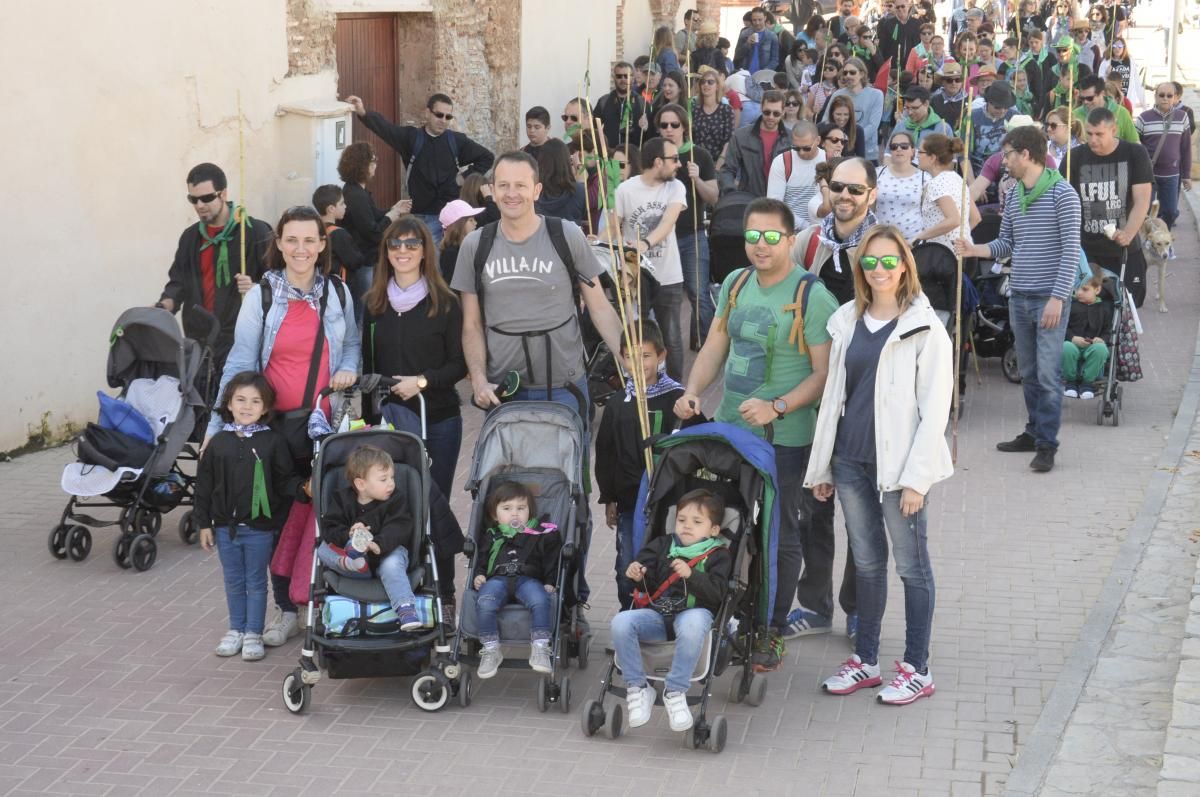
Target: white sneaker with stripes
x=853 y=675
x=908 y=686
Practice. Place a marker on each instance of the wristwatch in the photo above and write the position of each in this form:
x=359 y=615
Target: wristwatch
x=422 y=383
x=780 y=407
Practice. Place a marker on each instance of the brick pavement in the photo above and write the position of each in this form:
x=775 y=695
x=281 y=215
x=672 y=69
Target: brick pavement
x=108 y=684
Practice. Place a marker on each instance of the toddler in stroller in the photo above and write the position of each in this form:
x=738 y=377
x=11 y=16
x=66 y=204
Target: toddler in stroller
x=520 y=563
x=1084 y=350
x=689 y=574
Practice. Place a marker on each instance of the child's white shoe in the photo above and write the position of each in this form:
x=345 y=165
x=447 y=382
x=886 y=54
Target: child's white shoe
x=489 y=661
x=638 y=701
x=252 y=647
x=539 y=656
x=230 y=644
x=678 y=712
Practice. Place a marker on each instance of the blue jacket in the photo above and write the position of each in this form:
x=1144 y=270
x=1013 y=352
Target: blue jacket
x=768 y=50
x=252 y=347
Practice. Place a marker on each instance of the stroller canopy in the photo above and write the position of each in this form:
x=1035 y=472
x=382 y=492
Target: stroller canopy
x=729 y=452
x=530 y=434
x=146 y=342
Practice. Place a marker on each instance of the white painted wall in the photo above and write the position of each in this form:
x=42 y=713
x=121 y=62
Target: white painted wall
x=104 y=113
x=554 y=54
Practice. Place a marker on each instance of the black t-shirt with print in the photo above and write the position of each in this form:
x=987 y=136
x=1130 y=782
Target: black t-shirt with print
x=1105 y=186
x=686 y=223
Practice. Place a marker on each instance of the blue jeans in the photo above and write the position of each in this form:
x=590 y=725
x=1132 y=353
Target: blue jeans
x=443 y=441
x=1166 y=190
x=867 y=519
x=625 y=554
x=244 y=561
x=692 y=627
x=360 y=283
x=493 y=596
x=666 y=303
x=1039 y=355
x=434 y=225
x=806 y=540
x=689 y=245
x=393 y=572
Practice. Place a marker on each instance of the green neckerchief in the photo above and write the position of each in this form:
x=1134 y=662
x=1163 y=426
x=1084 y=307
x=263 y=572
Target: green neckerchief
x=1044 y=183
x=221 y=241
x=260 y=504
x=1024 y=102
x=690 y=552
x=931 y=120
x=500 y=535
x=612 y=178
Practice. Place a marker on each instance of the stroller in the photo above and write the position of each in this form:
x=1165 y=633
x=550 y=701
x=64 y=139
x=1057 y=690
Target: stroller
x=542 y=445
x=356 y=634
x=726 y=244
x=1124 y=362
x=741 y=468
x=133 y=464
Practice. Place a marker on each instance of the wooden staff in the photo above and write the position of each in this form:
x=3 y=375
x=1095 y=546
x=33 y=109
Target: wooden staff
x=963 y=232
x=695 y=204
x=1070 y=109
x=587 y=199
x=241 y=181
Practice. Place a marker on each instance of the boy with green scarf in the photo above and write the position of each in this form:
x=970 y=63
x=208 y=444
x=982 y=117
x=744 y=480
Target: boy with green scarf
x=681 y=580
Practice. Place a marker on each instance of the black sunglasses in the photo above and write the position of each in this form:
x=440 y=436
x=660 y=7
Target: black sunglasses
x=836 y=139
x=899 y=147
x=670 y=125
x=440 y=115
x=808 y=148
x=855 y=189
x=205 y=198
x=569 y=118
x=411 y=244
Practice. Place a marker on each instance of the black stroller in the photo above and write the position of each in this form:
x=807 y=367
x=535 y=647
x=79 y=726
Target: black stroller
x=726 y=241
x=156 y=369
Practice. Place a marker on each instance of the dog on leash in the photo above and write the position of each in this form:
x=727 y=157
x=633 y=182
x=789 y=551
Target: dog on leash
x=1157 y=241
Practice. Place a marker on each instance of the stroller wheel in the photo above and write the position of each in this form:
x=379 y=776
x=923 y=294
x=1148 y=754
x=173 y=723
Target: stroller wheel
x=687 y=739
x=187 y=529
x=79 y=542
x=147 y=521
x=58 y=541
x=429 y=693
x=1101 y=407
x=738 y=686
x=616 y=721
x=717 y=733
x=466 y=686
x=143 y=550
x=125 y=522
x=564 y=695
x=543 y=699
x=1012 y=369
x=756 y=693
x=1116 y=413
x=591 y=719
x=585 y=646
x=297 y=695
x=121 y=551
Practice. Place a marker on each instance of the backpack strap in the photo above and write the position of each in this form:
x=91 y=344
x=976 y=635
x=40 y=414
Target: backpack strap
x=798 y=308
x=487 y=239
x=810 y=252
x=554 y=226
x=787 y=166
x=743 y=275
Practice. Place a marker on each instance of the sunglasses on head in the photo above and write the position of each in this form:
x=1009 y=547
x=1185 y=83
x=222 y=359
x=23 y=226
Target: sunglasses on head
x=772 y=237
x=870 y=262
x=670 y=125
x=411 y=244
x=440 y=115
x=205 y=198
x=855 y=189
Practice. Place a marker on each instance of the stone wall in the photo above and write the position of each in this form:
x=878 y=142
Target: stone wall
x=310 y=28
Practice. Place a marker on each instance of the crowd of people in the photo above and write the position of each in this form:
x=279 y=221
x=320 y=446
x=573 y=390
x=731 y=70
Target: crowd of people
x=851 y=142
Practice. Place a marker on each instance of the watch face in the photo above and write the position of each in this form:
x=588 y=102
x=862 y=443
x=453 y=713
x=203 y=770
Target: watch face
x=780 y=406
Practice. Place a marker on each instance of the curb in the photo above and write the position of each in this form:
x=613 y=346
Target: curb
x=1037 y=754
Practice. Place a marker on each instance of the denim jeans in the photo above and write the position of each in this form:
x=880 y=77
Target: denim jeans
x=244 y=561
x=806 y=541
x=692 y=627
x=1039 y=355
x=360 y=283
x=871 y=522
x=443 y=441
x=689 y=245
x=434 y=225
x=625 y=554
x=1166 y=190
x=493 y=596
x=393 y=572
x=667 y=301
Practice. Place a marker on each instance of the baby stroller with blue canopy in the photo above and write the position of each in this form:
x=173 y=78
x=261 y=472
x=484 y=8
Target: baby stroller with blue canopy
x=541 y=445
x=130 y=460
x=739 y=467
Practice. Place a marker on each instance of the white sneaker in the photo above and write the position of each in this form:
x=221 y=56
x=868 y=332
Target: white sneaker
x=489 y=661
x=252 y=647
x=853 y=675
x=230 y=644
x=679 y=714
x=1087 y=395
x=638 y=702
x=539 y=657
x=285 y=626
x=1071 y=392
x=908 y=686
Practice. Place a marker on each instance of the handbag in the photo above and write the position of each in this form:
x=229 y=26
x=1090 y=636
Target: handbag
x=112 y=449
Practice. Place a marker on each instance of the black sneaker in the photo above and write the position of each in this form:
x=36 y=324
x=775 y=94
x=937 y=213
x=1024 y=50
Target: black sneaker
x=1022 y=442
x=1043 y=461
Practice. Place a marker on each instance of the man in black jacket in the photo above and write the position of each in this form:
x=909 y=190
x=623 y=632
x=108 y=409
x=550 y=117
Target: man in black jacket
x=898 y=34
x=207 y=274
x=621 y=110
x=435 y=157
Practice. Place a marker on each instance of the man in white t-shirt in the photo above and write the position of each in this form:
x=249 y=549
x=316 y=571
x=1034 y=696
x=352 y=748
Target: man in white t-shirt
x=793 y=176
x=647 y=207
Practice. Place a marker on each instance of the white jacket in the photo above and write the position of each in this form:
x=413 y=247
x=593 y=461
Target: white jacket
x=912 y=401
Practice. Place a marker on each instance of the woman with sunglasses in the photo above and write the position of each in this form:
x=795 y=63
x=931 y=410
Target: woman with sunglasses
x=297 y=307
x=880 y=444
x=1059 y=23
x=1118 y=63
x=792 y=104
x=822 y=89
x=713 y=119
x=942 y=194
x=866 y=108
x=671 y=91
x=833 y=140
x=898 y=197
x=1062 y=134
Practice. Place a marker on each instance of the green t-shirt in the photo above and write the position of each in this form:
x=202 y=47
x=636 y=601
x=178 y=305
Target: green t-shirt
x=761 y=363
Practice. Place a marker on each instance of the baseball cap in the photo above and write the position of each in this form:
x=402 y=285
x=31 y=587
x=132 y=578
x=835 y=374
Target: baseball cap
x=456 y=210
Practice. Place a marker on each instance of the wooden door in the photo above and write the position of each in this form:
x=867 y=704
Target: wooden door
x=366 y=63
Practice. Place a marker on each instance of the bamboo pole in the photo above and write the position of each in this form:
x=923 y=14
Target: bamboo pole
x=1070 y=109
x=241 y=182
x=964 y=231
x=587 y=199
x=695 y=207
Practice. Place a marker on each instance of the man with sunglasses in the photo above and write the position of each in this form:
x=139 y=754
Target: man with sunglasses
x=752 y=149
x=1167 y=135
x=1092 y=95
x=793 y=177
x=207 y=270
x=951 y=97
x=773 y=380
x=621 y=110
x=1039 y=230
x=899 y=35
x=435 y=157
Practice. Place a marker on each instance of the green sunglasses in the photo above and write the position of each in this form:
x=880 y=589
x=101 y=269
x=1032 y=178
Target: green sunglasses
x=772 y=237
x=869 y=262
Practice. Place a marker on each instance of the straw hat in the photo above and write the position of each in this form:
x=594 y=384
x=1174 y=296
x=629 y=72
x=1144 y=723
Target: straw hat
x=708 y=27
x=951 y=69
x=1022 y=120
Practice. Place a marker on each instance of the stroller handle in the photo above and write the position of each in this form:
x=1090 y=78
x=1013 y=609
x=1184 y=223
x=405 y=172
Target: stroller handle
x=368 y=383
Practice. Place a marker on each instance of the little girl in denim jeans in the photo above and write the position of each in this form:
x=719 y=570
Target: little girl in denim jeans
x=244 y=489
x=516 y=561
x=369 y=527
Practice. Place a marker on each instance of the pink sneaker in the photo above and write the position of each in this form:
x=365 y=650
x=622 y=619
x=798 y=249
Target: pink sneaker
x=853 y=675
x=907 y=687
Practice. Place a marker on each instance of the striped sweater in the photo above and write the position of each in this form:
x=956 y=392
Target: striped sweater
x=1175 y=155
x=1043 y=242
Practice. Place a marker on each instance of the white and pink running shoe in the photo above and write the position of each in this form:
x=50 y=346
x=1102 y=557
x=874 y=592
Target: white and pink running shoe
x=907 y=687
x=853 y=675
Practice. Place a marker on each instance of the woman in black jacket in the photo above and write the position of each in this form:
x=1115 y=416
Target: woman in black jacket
x=364 y=220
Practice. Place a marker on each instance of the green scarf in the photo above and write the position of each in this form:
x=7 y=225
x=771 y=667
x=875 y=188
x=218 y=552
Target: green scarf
x=500 y=535
x=221 y=241
x=1044 y=183
x=690 y=552
x=1024 y=102
x=260 y=504
x=612 y=178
